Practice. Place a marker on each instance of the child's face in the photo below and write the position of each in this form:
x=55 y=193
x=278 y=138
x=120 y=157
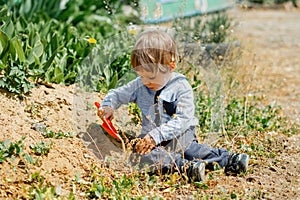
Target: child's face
x=157 y=82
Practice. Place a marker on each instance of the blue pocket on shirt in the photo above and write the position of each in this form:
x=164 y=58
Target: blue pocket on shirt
x=170 y=107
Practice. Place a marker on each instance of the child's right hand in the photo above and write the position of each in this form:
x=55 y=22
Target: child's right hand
x=145 y=145
x=106 y=112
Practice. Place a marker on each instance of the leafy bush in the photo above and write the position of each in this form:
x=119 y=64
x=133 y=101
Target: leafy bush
x=44 y=41
x=108 y=64
x=209 y=29
x=44 y=51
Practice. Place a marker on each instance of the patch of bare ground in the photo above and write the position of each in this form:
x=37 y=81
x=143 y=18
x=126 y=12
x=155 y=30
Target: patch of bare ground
x=271 y=44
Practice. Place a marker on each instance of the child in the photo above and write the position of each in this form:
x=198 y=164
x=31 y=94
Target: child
x=168 y=141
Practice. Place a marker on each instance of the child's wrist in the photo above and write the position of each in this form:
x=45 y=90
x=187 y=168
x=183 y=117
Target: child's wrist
x=151 y=139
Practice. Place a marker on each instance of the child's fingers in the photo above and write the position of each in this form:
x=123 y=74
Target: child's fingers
x=101 y=113
x=140 y=147
x=143 y=146
x=105 y=112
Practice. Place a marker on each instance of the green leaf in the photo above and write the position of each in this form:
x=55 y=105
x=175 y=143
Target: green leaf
x=113 y=81
x=58 y=75
x=26 y=87
x=12 y=51
x=54 y=42
x=29 y=158
x=33 y=36
x=3 y=12
x=9 y=29
x=45 y=29
x=25 y=7
x=36 y=60
x=21 y=24
x=107 y=73
x=50 y=60
x=17 y=45
x=37 y=51
x=4 y=42
x=70 y=75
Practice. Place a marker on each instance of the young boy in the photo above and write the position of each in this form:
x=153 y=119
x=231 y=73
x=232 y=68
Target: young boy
x=168 y=141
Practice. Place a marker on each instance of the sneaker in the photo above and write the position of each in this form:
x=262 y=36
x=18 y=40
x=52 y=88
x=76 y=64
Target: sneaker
x=237 y=163
x=195 y=170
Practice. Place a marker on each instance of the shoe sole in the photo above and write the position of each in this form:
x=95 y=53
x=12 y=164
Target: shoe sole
x=200 y=172
x=246 y=162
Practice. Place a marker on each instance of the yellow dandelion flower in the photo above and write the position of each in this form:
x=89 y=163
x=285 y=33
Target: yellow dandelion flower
x=132 y=29
x=92 y=41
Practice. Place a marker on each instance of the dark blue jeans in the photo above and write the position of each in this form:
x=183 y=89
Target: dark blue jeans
x=207 y=154
x=175 y=153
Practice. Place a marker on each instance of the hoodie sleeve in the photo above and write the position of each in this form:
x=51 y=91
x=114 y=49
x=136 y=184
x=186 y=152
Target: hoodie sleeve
x=122 y=95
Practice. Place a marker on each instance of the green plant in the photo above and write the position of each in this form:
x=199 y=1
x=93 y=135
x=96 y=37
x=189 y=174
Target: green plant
x=39 y=189
x=52 y=134
x=73 y=11
x=41 y=148
x=244 y=115
x=135 y=113
x=205 y=29
x=47 y=42
x=118 y=188
x=14 y=76
x=43 y=51
x=97 y=189
x=30 y=159
x=218 y=27
x=9 y=149
x=107 y=66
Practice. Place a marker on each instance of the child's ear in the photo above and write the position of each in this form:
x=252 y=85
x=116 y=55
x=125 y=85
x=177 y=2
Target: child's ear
x=172 y=66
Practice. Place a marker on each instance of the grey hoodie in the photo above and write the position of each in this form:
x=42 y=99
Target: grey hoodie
x=175 y=105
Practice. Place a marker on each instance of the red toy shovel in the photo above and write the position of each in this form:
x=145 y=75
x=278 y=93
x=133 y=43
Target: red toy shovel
x=109 y=128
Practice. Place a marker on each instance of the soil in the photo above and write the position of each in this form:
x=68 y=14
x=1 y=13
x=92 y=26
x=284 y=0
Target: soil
x=270 y=42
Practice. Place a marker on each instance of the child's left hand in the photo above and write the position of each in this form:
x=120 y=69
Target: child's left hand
x=145 y=145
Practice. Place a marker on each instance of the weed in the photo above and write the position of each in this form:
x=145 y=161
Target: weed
x=98 y=189
x=52 y=134
x=39 y=189
x=243 y=115
x=204 y=29
x=201 y=185
x=135 y=112
x=9 y=149
x=41 y=148
x=33 y=109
